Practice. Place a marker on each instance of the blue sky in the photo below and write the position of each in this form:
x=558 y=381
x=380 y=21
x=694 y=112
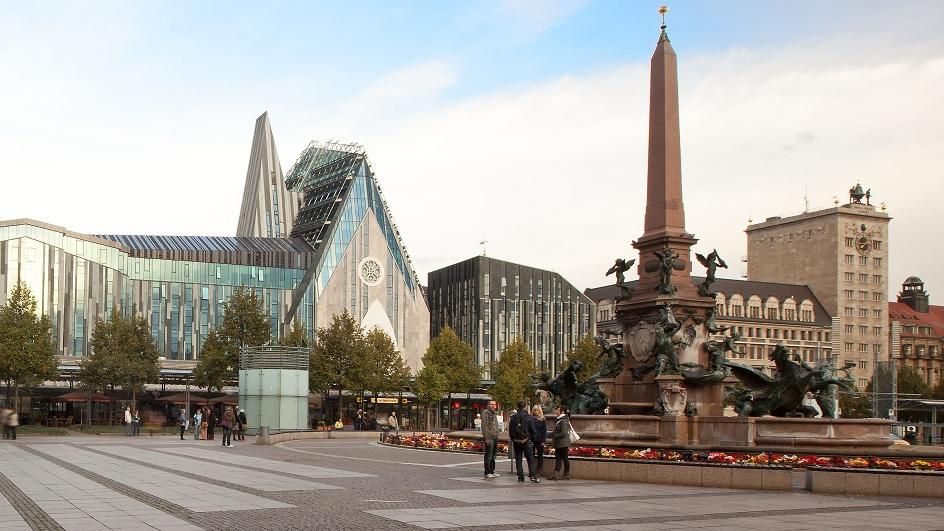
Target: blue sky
x=508 y=111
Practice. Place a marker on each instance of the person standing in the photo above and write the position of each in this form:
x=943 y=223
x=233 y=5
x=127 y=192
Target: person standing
x=211 y=423
x=136 y=423
x=4 y=415
x=490 y=438
x=520 y=432
x=128 y=427
x=242 y=424
x=182 y=422
x=197 y=424
x=392 y=422
x=538 y=438
x=9 y=430
x=204 y=424
x=561 y=439
x=228 y=421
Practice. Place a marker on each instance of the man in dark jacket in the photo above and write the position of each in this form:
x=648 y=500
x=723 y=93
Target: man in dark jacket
x=521 y=433
x=490 y=438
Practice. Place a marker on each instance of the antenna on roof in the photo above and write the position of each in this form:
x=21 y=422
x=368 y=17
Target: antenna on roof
x=482 y=243
x=806 y=199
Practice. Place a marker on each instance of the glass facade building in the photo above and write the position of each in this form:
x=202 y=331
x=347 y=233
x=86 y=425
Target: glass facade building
x=489 y=302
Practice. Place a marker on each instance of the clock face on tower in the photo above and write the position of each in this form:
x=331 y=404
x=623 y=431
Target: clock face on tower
x=863 y=244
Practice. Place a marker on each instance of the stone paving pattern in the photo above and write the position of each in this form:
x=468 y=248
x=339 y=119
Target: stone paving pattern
x=113 y=480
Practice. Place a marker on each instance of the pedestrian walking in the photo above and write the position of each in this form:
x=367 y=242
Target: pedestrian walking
x=182 y=423
x=490 y=438
x=538 y=438
x=243 y=424
x=4 y=415
x=520 y=432
x=227 y=422
x=197 y=423
x=561 y=439
x=128 y=427
x=392 y=423
x=9 y=426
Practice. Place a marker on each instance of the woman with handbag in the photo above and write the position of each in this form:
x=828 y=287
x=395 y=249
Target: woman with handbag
x=562 y=437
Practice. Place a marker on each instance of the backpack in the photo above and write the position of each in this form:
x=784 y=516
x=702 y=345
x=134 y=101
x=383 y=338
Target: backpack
x=516 y=430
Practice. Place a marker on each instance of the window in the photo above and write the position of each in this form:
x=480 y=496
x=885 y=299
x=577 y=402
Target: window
x=876 y=313
x=876 y=295
x=906 y=350
x=863 y=295
x=932 y=350
x=876 y=279
x=863 y=312
x=863 y=383
x=504 y=283
x=863 y=330
x=850 y=277
x=826 y=339
x=847 y=346
x=850 y=242
x=864 y=365
x=863 y=278
x=919 y=350
x=848 y=311
x=863 y=260
x=849 y=293
x=877 y=245
x=877 y=349
x=863 y=347
x=849 y=259
x=877 y=330
x=849 y=329
x=877 y=262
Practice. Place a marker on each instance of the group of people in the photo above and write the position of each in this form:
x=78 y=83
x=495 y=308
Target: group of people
x=132 y=422
x=9 y=420
x=206 y=420
x=528 y=435
x=364 y=421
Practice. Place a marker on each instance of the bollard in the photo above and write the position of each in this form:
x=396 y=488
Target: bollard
x=263 y=435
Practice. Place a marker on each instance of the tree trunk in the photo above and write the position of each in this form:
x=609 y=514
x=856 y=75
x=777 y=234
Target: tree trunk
x=16 y=398
x=340 y=403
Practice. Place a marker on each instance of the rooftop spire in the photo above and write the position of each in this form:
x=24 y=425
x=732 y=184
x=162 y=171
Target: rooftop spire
x=663 y=10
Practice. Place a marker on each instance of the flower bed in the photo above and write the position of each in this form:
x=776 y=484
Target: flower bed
x=442 y=442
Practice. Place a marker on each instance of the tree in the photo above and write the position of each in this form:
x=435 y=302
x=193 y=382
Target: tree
x=381 y=366
x=122 y=354
x=211 y=370
x=587 y=352
x=911 y=382
x=335 y=354
x=245 y=324
x=854 y=405
x=296 y=336
x=512 y=374
x=430 y=386
x=455 y=360
x=27 y=354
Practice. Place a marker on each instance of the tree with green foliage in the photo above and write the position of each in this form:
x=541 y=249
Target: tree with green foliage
x=430 y=387
x=911 y=382
x=296 y=336
x=587 y=352
x=854 y=405
x=512 y=373
x=211 y=371
x=27 y=353
x=122 y=355
x=382 y=367
x=245 y=324
x=455 y=360
x=334 y=358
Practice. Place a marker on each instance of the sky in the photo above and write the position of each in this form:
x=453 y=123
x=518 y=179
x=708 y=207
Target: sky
x=520 y=122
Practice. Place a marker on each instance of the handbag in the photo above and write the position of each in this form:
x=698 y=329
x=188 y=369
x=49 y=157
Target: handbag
x=573 y=435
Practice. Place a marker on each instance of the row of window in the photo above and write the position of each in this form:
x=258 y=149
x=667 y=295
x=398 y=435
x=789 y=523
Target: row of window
x=876 y=244
x=863 y=278
x=915 y=329
x=863 y=330
x=772 y=308
x=849 y=346
x=776 y=333
x=863 y=295
x=849 y=259
x=849 y=311
x=919 y=350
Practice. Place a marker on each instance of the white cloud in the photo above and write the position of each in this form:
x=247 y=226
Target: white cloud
x=537 y=16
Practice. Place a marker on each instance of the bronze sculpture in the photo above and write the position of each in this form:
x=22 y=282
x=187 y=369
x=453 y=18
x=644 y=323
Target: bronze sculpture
x=613 y=356
x=667 y=262
x=581 y=398
x=620 y=267
x=666 y=357
x=716 y=371
x=712 y=262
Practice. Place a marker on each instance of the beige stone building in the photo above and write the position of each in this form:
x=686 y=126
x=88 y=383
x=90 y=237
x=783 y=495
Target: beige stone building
x=842 y=254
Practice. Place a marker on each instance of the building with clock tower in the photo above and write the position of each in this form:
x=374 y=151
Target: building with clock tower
x=841 y=253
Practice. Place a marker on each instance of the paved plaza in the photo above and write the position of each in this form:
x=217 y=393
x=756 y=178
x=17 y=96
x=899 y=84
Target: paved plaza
x=91 y=483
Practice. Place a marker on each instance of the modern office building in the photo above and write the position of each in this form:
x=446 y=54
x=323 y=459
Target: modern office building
x=342 y=253
x=765 y=314
x=842 y=254
x=916 y=337
x=490 y=302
